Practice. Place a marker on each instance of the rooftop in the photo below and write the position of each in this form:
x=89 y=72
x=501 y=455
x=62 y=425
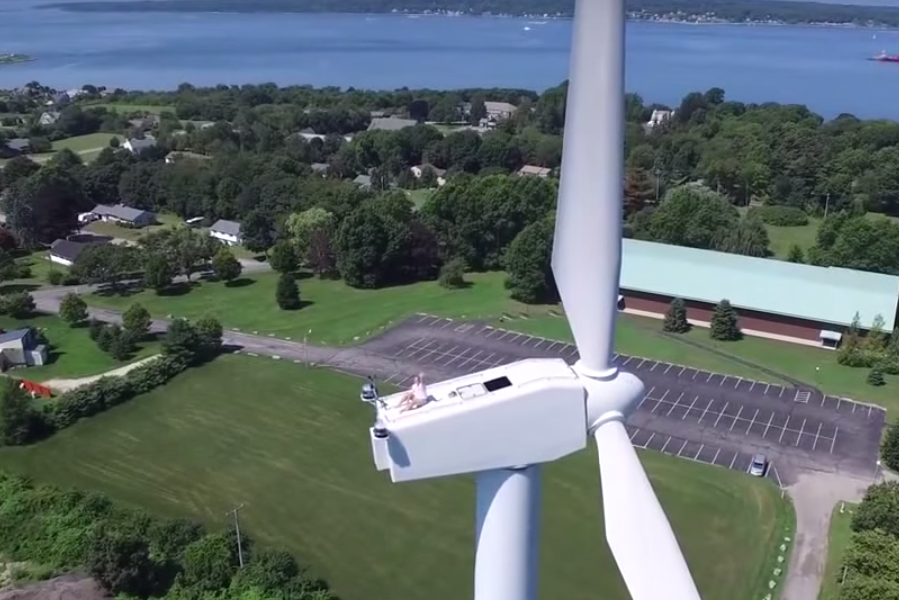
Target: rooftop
x=391 y=124
x=11 y=336
x=119 y=211
x=825 y=294
x=226 y=227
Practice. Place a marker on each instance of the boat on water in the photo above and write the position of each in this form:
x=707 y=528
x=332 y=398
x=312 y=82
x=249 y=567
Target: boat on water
x=884 y=57
x=7 y=59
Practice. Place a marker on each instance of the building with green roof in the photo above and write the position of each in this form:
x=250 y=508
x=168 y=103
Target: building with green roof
x=772 y=296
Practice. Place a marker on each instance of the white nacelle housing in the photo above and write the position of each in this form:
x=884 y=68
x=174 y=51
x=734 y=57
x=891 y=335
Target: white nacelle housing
x=528 y=412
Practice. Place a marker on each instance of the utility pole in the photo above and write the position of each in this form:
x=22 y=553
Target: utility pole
x=306 y=346
x=235 y=512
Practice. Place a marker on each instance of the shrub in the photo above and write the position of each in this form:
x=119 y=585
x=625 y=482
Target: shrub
x=287 y=295
x=781 y=216
x=71 y=279
x=875 y=377
x=137 y=321
x=676 y=317
x=796 y=255
x=55 y=277
x=452 y=274
x=889 y=448
x=18 y=305
x=94 y=328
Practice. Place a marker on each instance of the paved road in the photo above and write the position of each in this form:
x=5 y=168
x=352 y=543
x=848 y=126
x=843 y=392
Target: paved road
x=814 y=494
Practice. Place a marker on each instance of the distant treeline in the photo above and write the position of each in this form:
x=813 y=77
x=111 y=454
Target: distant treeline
x=728 y=10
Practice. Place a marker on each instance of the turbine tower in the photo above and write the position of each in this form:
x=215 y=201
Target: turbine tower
x=502 y=423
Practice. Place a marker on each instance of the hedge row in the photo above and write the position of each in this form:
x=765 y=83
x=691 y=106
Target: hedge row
x=781 y=216
x=133 y=554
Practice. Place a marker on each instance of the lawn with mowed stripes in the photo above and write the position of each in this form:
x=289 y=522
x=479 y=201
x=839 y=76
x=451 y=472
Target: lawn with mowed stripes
x=291 y=444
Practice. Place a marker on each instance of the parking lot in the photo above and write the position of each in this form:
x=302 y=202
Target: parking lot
x=691 y=413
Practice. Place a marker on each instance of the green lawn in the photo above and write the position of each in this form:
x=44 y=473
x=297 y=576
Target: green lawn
x=125 y=108
x=338 y=314
x=418 y=197
x=840 y=536
x=782 y=238
x=72 y=352
x=128 y=233
x=83 y=143
x=290 y=443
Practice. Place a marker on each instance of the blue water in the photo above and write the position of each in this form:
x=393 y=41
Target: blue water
x=824 y=68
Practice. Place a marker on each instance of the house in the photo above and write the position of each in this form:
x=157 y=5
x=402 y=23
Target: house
x=142 y=123
x=66 y=252
x=61 y=99
x=18 y=146
x=171 y=157
x=320 y=168
x=391 y=124
x=500 y=111
x=49 y=118
x=310 y=134
x=228 y=232
x=533 y=171
x=136 y=146
x=363 y=181
x=418 y=171
x=21 y=347
x=125 y=215
x=659 y=117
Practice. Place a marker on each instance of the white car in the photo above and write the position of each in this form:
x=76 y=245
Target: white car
x=759 y=465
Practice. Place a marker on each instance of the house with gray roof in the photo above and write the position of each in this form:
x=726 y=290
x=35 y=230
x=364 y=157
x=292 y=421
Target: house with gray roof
x=136 y=146
x=21 y=347
x=227 y=232
x=363 y=181
x=49 y=118
x=124 y=215
x=391 y=124
x=15 y=147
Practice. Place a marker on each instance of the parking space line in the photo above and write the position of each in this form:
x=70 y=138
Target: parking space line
x=539 y=341
x=666 y=445
x=456 y=357
x=768 y=425
x=698 y=452
x=675 y=404
x=834 y=440
x=723 y=379
x=645 y=396
x=498 y=363
x=780 y=395
x=801 y=429
x=651 y=435
x=709 y=378
x=448 y=323
x=689 y=409
x=654 y=366
x=469 y=359
x=767 y=385
x=660 y=400
x=736 y=454
x=783 y=431
x=817 y=435
x=633 y=435
x=695 y=373
x=641 y=363
x=717 y=452
x=682 y=448
x=751 y=387
x=629 y=359
x=737 y=418
x=503 y=336
x=682 y=369
x=720 y=414
x=668 y=369
x=752 y=422
x=705 y=410
x=736 y=385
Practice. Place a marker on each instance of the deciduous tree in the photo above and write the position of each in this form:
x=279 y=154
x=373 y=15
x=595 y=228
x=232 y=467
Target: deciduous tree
x=528 y=263
x=136 y=321
x=225 y=265
x=72 y=309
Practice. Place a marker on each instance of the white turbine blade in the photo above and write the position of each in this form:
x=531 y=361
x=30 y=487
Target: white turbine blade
x=638 y=532
x=587 y=249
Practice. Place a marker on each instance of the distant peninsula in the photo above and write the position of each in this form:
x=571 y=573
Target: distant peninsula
x=683 y=11
x=8 y=59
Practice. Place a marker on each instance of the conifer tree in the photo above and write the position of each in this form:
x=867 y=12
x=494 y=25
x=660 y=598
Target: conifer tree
x=676 y=317
x=725 y=324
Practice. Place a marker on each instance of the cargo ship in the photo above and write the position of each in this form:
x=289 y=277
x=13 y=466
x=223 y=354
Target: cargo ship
x=884 y=57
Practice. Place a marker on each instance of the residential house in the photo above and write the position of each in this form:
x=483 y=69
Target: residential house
x=171 y=157
x=418 y=171
x=66 y=252
x=320 y=168
x=228 y=232
x=142 y=123
x=310 y=134
x=136 y=146
x=21 y=347
x=17 y=147
x=659 y=117
x=533 y=171
x=49 y=118
x=363 y=181
x=391 y=124
x=500 y=111
x=124 y=215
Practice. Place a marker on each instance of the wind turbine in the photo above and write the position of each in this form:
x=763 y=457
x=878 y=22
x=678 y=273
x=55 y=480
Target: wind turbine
x=502 y=423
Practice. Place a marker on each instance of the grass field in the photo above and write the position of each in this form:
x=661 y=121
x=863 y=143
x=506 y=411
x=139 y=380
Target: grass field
x=72 y=352
x=840 y=536
x=291 y=444
x=418 y=197
x=126 y=108
x=127 y=233
x=338 y=314
x=83 y=143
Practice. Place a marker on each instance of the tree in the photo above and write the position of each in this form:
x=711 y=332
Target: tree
x=528 y=263
x=94 y=327
x=209 y=564
x=209 y=331
x=19 y=420
x=256 y=230
x=725 y=324
x=106 y=264
x=122 y=565
x=889 y=448
x=875 y=377
x=879 y=509
x=288 y=293
x=676 y=317
x=136 y=321
x=72 y=309
x=320 y=257
x=796 y=255
x=452 y=274
x=18 y=305
x=182 y=341
x=158 y=273
x=107 y=336
x=225 y=265
x=283 y=257
x=122 y=345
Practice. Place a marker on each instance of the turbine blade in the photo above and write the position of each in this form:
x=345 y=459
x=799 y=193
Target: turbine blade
x=638 y=532
x=586 y=259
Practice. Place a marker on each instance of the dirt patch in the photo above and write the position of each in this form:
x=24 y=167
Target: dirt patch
x=67 y=587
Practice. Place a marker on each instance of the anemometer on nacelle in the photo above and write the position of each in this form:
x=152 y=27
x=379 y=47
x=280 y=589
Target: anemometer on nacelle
x=528 y=412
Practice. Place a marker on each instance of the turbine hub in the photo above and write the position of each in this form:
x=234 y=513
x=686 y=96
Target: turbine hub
x=613 y=395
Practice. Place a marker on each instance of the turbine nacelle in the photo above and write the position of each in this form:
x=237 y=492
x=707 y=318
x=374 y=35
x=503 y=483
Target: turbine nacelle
x=528 y=412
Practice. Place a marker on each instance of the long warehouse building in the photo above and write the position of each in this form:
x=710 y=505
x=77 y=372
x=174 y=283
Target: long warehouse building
x=772 y=297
